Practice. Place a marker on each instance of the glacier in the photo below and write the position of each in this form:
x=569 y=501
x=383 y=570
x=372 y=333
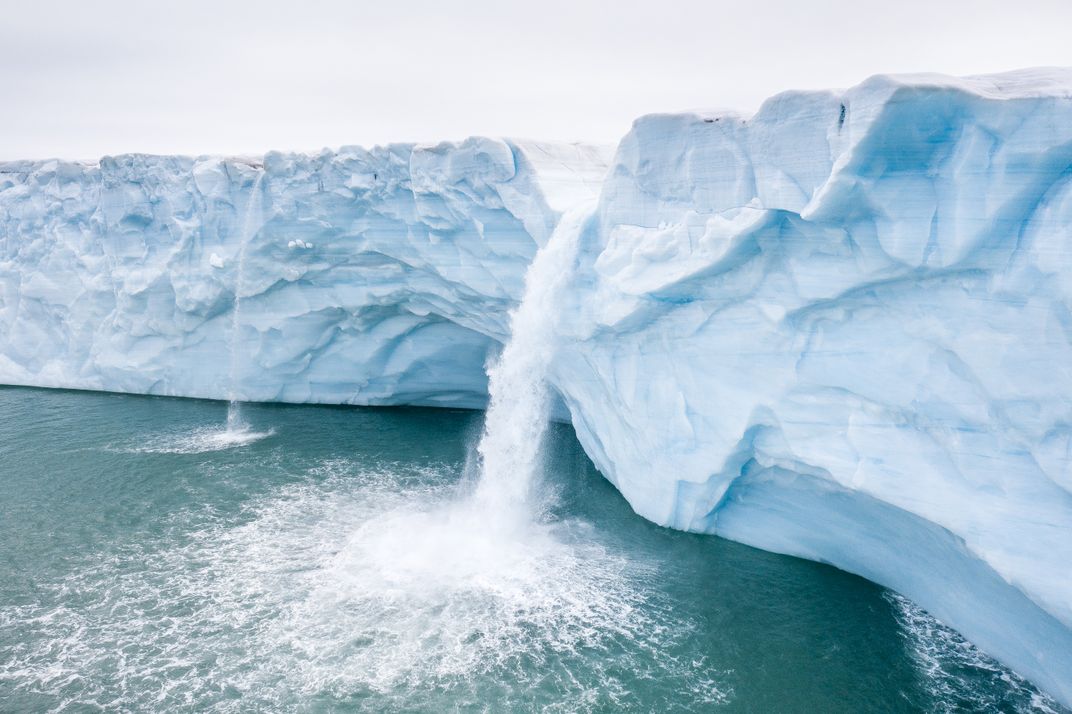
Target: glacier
x=370 y=277
x=839 y=328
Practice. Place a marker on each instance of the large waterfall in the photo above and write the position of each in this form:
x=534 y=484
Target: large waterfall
x=517 y=414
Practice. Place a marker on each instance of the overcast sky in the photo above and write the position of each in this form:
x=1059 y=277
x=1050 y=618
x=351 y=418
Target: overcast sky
x=82 y=79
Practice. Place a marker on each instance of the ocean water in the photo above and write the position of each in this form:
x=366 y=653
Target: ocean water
x=330 y=559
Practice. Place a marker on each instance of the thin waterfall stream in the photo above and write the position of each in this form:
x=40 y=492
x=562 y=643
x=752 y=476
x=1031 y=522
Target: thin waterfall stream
x=251 y=222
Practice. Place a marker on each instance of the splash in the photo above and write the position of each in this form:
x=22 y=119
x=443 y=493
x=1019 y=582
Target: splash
x=957 y=675
x=251 y=222
x=196 y=441
x=517 y=415
x=350 y=585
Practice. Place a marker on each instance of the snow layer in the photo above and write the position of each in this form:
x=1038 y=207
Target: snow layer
x=840 y=328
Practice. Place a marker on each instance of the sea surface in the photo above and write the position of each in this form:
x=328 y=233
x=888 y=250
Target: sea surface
x=319 y=560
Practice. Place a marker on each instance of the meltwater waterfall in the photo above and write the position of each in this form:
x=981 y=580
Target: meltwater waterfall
x=517 y=415
x=251 y=221
x=836 y=329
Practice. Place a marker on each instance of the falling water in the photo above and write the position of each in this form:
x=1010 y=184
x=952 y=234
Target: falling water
x=250 y=224
x=517 y=415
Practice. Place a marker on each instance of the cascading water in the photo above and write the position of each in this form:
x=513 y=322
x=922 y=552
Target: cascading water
x=517 y=414
x=438 y=584
x=251 y=220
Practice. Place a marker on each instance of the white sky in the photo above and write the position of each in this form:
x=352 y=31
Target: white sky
x=80 y=79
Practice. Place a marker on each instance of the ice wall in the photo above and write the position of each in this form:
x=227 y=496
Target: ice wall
x=377 y=276
x=839 y=328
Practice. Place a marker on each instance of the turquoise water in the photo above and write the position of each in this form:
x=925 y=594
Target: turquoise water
x=148 y=565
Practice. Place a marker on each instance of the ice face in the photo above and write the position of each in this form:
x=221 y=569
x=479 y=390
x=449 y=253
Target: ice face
x=838 y=329
x=366 y=277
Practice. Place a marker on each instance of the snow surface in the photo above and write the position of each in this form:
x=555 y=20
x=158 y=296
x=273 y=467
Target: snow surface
x=840 y=328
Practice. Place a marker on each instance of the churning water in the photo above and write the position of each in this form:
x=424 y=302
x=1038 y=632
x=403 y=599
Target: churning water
x=330 y=566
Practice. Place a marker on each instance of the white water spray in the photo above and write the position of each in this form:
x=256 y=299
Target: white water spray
x=517 y=416
x=251 y=222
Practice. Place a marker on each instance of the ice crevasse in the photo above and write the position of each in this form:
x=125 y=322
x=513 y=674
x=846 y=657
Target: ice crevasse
x=840 y=328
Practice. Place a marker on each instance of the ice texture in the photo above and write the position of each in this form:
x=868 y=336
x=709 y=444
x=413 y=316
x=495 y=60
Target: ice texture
x=839 y=328
x=366 y=277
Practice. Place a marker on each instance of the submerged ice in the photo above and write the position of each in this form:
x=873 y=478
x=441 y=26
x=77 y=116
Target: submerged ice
x=839 y=328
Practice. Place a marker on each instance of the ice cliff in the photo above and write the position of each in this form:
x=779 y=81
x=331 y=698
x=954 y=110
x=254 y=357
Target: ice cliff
x=371 y=277
x=840 y=328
